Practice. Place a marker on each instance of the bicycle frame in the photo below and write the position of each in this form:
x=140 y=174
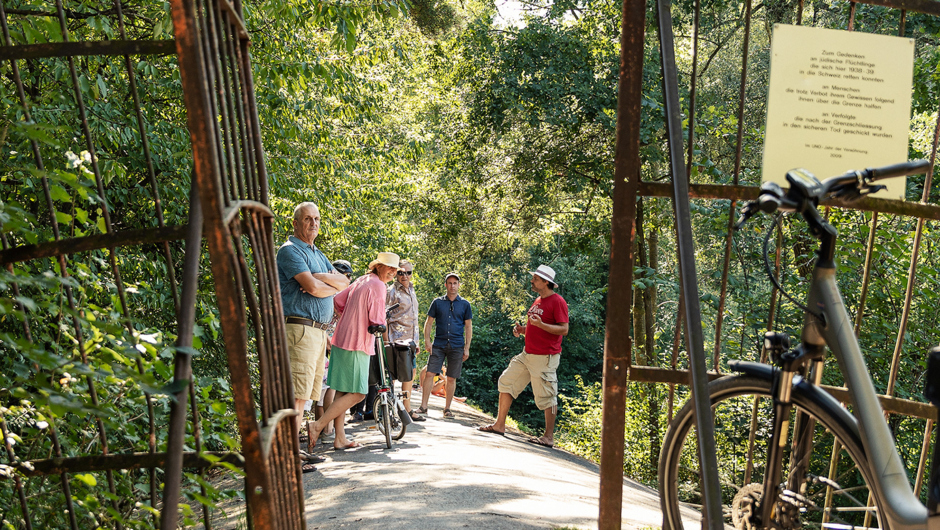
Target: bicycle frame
x=900 y=507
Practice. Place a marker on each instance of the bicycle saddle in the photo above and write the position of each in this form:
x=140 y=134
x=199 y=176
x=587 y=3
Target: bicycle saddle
x=376 y=328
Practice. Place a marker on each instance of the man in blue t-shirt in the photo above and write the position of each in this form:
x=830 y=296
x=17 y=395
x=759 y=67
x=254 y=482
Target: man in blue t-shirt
x=453 y=321
x=308 y=282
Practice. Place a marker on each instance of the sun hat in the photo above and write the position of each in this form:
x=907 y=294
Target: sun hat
x=449 y=274
x=388 y=259
x=545 y=272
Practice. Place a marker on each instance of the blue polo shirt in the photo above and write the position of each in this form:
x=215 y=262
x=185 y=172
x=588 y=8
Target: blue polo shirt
x=295 y=257
x=449 y=320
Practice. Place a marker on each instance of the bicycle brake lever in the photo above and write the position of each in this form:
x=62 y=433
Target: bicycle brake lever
x=747 y=212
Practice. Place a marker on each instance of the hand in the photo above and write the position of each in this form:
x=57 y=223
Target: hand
x=535 y=320
x=466 y=355
x=518 y=329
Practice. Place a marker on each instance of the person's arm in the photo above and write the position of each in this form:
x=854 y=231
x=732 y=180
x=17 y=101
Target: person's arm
x=333 y=279
x=339 y=301
x=376 y=301
x=554 y=329
x=468 y=335
x=427 y=332
x=314 y=287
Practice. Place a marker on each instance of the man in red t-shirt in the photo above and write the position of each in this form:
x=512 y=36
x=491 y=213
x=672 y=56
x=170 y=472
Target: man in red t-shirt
x=537 y=364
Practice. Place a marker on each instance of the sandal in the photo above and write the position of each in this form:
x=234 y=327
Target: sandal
x=491 y=429
x=448 y=414
x=311 y=459
x=416 y=417
x=422 y=410
x=308 y=468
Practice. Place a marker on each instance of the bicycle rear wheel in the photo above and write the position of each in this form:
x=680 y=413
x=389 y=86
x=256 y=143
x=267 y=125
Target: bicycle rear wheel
x=383 y=421
x=832 y=493
x=398 y=427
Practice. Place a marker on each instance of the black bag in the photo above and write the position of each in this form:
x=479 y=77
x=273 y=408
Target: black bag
x=401 y=359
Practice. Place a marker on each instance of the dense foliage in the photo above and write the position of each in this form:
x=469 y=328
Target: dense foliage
x=437 y=130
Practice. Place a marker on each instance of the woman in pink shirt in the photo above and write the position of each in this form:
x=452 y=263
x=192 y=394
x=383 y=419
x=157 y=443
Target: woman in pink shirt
x=361 y=305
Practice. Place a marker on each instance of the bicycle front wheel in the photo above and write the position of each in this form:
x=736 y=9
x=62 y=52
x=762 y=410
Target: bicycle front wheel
x=383 y=421
x=826 y=488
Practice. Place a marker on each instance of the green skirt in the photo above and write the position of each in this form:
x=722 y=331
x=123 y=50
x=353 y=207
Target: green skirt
x=349 y=371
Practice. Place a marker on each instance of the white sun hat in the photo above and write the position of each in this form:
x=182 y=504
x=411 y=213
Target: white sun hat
x=545 y=272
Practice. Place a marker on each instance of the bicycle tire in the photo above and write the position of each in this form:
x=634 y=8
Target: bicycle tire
x=383 y=419
x=733 y=399
x=398 y=426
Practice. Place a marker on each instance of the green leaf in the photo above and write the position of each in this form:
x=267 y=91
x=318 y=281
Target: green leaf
x=87 y=478
x=63 y=217
x=58 y=193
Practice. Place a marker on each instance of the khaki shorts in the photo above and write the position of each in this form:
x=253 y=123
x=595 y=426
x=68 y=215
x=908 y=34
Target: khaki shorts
x=307 y=347
x=537 y=369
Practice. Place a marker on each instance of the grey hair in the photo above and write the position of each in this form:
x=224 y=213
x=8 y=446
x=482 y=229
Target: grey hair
x=301 y=206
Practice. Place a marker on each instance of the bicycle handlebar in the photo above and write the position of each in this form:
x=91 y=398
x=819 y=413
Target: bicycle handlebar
x=806 y=190
x=379 y=328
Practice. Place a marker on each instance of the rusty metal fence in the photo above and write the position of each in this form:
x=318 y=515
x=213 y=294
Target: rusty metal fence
x=67 y=217
x=721 y=140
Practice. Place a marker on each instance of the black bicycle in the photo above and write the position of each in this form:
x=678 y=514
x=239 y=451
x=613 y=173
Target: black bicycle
x=391 y=418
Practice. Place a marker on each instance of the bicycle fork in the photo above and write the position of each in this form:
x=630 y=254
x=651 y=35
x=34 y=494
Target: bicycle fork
x=778 y=501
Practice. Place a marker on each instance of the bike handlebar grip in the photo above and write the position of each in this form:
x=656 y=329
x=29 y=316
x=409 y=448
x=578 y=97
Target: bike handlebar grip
x=376 y=328
x=914 y=167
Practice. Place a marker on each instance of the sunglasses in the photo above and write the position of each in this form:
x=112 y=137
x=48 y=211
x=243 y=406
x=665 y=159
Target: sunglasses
x=405 y=273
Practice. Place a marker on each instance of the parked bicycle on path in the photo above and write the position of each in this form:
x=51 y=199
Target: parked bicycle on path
x=789 y=454
x=391 y=418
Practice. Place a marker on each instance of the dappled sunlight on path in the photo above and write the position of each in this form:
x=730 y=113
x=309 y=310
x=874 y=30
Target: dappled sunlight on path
x=445 y=474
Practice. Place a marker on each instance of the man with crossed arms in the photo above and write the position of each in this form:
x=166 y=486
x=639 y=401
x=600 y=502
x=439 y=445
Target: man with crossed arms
x=308 y=282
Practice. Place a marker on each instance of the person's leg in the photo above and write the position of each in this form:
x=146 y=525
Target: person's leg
x=427 y=388
x=511 y=383
x=336 y=410
x=299 y=407
x=550 y=414
x=318 y=349
x=439 y=385
x=327 y=401
x=406 y=391
x=300 y=346
x=449 y=391
x=434 y=367
x=454 y=367
x=424 y=372
x=543 y=370
x=505 y=401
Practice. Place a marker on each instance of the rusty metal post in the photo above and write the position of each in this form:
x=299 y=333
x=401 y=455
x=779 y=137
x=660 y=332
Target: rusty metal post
x=705 y=428
x=617 y=341
x=193 y=59
x=183 y=370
